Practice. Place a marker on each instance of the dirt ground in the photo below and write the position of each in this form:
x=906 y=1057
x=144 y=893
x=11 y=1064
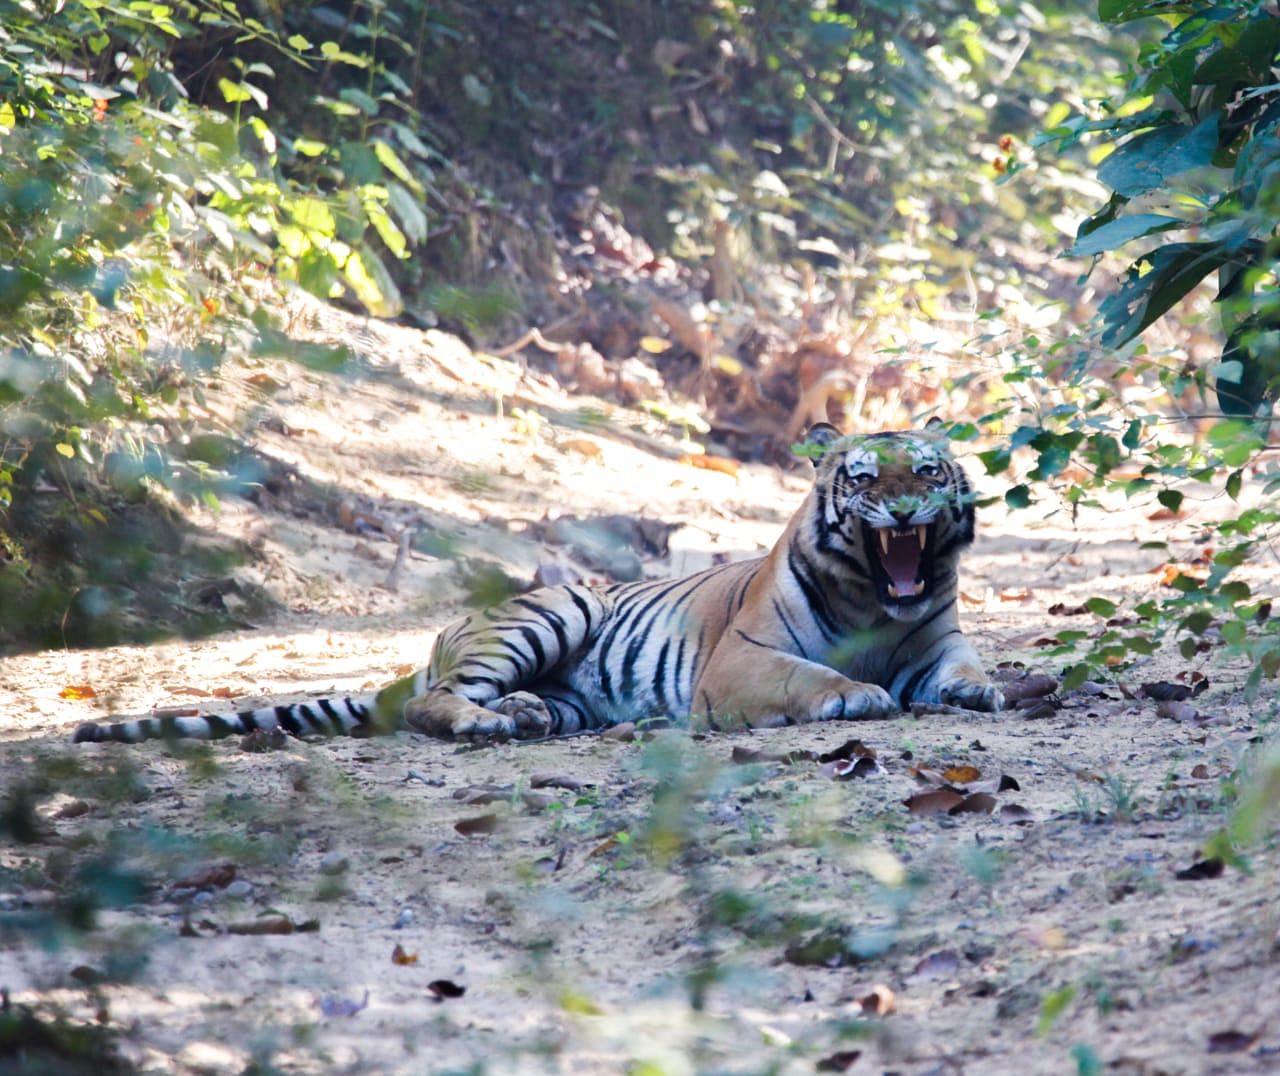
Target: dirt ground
x=674 y=909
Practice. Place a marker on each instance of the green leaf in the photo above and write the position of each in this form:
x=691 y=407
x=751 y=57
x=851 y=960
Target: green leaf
x=1150 y=159
x=1121 y=231
x=1234 y=480
x=1132 y=435
x=1075 y=676
x=1143 y=296
x=1171 y=499
x=1018 y=496
x=1102 y=607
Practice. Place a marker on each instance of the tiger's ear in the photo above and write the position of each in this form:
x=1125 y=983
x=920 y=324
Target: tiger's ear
x=820 y=437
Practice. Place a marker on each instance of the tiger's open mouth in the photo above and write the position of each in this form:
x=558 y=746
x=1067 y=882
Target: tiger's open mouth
x=901 y=562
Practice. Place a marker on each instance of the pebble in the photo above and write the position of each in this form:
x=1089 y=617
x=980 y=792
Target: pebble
x=239 y=889
x=403 y=919
x=205 y=896
x=334 y=863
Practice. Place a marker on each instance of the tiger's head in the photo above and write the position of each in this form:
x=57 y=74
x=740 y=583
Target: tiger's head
x=895 y=509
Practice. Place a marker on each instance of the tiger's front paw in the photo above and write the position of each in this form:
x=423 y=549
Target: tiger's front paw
x=971 y=694
x=859 y=702
x=451 y=717
x=531 y=714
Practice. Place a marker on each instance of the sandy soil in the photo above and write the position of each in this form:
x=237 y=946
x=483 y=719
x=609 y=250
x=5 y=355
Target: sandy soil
x=674 y=912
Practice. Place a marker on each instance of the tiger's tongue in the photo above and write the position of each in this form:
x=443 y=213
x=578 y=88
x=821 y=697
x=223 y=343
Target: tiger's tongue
x=901 y=561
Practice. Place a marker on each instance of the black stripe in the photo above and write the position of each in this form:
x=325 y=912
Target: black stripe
x=753 y=642
x=335 y=718
x=918 y=626
x=461 y=678
x=220 y=726
x=284 y=715
x=909 y=688
x=678 y=679
x=554 y=619
x=823 y=615
x=660 y=675
x=310 y=716
x=786 y=623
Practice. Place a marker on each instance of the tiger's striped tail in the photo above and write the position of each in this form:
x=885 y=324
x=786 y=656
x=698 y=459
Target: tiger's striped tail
x=351 y=716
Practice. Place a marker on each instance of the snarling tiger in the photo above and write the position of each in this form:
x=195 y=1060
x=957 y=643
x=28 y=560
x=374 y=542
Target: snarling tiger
x=852 y=614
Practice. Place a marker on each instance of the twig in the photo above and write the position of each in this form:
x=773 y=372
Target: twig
x=392 y=582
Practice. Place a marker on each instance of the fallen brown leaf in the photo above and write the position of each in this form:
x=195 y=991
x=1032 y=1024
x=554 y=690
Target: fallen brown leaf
x=1166 y=691
x=840 y=1061
x=77 y=692
x=1202 y=870
x=880 y=1001
x=961 y=775
x=937 y=965
x=933 y=802
x=214 y=876
x=1035 y=686
x=1015 y=813
x=848 y=750
x=713 y=463
x=444 y=989
x=478 y=826
x=976 y=803
x=399 y=956
x=541 y=779
x=1231 y=1042
x=846 y=769
x=274 y=924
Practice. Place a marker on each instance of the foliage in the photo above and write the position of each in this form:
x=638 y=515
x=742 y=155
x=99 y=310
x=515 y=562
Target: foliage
x=1195 y=156
x=138 y=224
x=1188 y=152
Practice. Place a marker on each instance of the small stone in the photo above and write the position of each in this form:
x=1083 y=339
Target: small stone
x=202 y=898
x=239 y=889
x=404 y=919
x=334 y=863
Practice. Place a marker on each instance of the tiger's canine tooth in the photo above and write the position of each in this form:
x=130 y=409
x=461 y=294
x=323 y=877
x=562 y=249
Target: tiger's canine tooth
x=922 y=534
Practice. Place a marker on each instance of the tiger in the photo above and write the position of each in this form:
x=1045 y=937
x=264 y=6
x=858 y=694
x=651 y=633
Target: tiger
x=851 y=615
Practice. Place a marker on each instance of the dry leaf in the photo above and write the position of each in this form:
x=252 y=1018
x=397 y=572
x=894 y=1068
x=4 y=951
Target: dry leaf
x=1166 y=691
x=585 y=447
x=846 y=769
x=939 y=965
x=934 y=802
x=444 y=989
x=1035 y=686
x=399 y=956
x=976 y=803
x=1176 y=711
x=274 y=924
x=555 y=780
x=478 y=826
x=1231 y=1042
x=217 y=876
x=850 y=749
x=1015 y=813
x=713 y=463
x=1202 y=870
x=77 y=692
x=881 y=1001
x=961 y=775
x=655 y=345
x=840 y=1061
x=1016 y=594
